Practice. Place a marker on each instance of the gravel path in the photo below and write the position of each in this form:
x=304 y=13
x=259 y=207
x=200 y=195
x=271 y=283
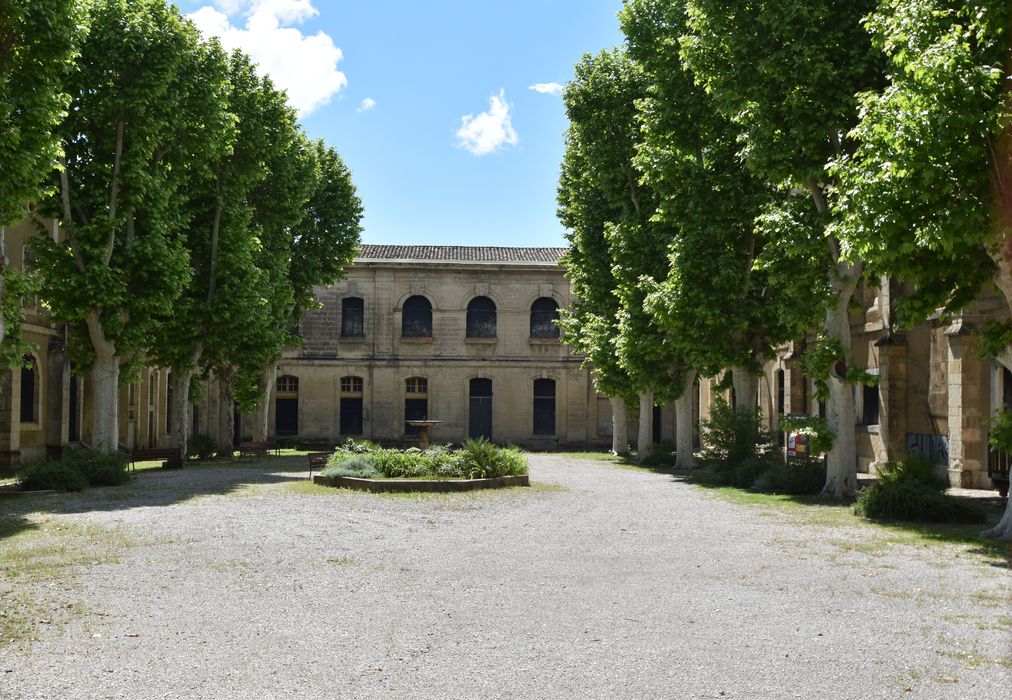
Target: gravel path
x=599 y=582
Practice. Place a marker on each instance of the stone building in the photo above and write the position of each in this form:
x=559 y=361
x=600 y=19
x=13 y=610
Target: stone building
x=936 y=393
x=461 y=335
x=44 y=406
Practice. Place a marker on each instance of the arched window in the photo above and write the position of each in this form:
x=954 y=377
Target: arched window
x=416 y=319
x=352 y=317
x=351 y=406
x=286 y=406
x=481 y=320
x=416 y=402
x=544 y=317
x=544 y=407
x=29 y=390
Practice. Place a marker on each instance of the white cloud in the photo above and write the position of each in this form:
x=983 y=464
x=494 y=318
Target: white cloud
x=305 y=66
x=547 y=88
x=489 y=131
x=367 y=104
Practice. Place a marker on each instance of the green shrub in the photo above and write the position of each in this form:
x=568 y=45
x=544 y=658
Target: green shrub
x=482 y=459
x=816 y=429
x=804 y=475
x=735 y=445
x=916 y=501
x=358 y=466
x=52 y=476
x=401 y=465
x=99 y=468
x=353 y=446
x=661 y=454
x=913 y=489
x=202 y=447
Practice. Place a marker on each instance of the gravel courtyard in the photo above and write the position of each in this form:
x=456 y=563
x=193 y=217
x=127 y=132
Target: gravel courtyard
x=597 y=582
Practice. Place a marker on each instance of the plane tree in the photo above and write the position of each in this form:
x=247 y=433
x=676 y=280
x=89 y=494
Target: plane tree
x=144 y=109
x=38 y=43
x=609 y=214
x=786 y=76
x=926 y=196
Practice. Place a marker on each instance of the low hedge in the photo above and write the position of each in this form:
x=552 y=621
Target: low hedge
x=52 y=476
x=801 y=476
x=478 y=459
x=912 y=489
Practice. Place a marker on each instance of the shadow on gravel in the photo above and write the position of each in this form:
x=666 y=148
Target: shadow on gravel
x=826 y=511
x=156 y=487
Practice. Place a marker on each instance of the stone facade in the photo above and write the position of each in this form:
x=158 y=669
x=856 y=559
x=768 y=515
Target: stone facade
x=370 y=365
x=58 y=411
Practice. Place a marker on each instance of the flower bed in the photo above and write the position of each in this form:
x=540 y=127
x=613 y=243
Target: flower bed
x=479 y=464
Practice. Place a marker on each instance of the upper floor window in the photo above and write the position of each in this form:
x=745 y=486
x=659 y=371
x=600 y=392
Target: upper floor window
x=418 y=386
x=544 y=318
x=351 y=385
x=288 y=384
x=29 y=390
x=416 y=319
x=481 y=318
x=352 y=317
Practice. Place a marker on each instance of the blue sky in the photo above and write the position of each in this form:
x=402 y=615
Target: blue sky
x=390 y=84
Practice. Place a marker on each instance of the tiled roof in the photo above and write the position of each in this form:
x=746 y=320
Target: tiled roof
x=461 y=253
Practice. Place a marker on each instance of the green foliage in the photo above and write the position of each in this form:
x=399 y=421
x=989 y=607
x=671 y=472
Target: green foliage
x=98 y=468
x=816 y=429
x=201 y=446
x=913 y=489
x=916 y=194
x=353 y=446
x=801 y=476
x=735 y=445
x=15 y=286
x=38 y=42
x=480 y=459
x=52 y=476
x=1000 y=431
x=357 y=466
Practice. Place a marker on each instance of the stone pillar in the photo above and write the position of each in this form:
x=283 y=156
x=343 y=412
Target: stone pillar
x=893 y=395
x=967 y=401
x=57 y=400
x=10 y=419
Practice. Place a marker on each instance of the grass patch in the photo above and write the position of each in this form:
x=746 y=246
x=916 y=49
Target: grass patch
x=824 y=511
x=46 y=551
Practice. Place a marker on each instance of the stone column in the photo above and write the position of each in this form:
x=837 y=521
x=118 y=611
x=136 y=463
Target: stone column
x=967 y=453
x=893 y=395
x=57 y=400
x=10 y=419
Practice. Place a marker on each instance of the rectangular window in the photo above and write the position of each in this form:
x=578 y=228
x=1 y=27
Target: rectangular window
x=869 y=416
x=544 y=407
x=352 y=318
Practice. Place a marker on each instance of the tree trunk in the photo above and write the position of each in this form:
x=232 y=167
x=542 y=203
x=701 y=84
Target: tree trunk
x=105 y=379
x=619 y=426
x=180 y=427
x=226 y=410
x=268 y=379
x=841 y=466
x=1002 y=256
x=746 y=385
x=3 y=285
x=645 y=439
x=684 y=454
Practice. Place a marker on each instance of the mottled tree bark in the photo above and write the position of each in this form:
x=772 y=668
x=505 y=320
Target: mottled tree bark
x=684 y=454
x=620 y=427
x=645 y=438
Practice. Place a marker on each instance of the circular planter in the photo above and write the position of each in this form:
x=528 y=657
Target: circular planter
x=420 y=485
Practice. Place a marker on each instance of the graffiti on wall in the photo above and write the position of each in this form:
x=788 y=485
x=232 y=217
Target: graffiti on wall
x=929 y=446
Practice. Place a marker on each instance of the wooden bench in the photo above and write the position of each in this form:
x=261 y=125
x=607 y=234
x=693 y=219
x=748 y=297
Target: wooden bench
x=252 y=449
x=998 y=470
x=317 y=461
x=173 y=456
